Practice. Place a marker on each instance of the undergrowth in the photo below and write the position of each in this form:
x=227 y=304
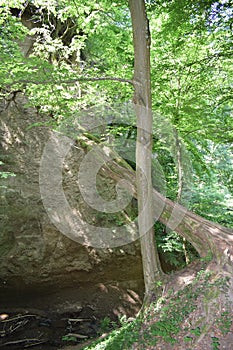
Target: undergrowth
x=163 y=319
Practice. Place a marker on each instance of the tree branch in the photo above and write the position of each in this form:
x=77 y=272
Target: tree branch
x=72 y=81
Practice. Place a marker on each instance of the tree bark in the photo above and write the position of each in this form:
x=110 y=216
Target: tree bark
x=142 y=103
x=207 y=237
x=180 y=174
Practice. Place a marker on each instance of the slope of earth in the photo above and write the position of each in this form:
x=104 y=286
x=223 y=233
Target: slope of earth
x=194 y=311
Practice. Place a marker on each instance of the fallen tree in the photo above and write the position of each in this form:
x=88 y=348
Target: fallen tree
x=208 y=238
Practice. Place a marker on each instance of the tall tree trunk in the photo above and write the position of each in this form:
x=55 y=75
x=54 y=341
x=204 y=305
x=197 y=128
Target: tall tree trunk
x=142 y=103
x=180 y=173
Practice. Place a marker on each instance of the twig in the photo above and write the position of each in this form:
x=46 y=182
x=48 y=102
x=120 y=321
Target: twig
x=34 y=344
x=18 y=325
x=21 y=341
x=78 y=319
x=79 y=336
x=17 y=317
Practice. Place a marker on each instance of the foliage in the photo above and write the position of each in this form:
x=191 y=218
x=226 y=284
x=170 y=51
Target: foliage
x=63 y=35
x=171 y=248
x=5 y=175
x=105 y=324
x=192 y=85
x=212 y=193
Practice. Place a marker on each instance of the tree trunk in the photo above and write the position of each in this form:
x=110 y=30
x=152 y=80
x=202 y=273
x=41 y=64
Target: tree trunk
x=208 y=238
x=180 y=174
x=142 y=104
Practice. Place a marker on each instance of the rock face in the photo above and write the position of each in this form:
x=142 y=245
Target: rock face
x=33 y=252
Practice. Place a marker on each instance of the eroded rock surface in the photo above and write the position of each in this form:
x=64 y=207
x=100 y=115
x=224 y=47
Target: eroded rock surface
x=33 y=251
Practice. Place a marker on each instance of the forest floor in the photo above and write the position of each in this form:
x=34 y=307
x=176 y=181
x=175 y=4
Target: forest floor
x=55 y=319
x=194 y=311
